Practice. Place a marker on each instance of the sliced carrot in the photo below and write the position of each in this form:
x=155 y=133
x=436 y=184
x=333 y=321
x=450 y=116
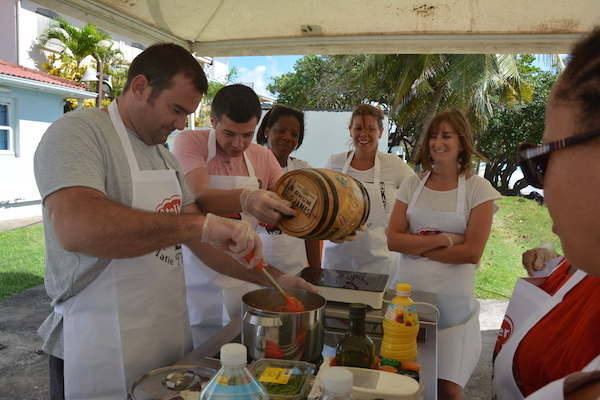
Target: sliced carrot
x=412 y=365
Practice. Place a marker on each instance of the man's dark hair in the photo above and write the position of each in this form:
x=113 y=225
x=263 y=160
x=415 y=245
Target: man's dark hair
x=161 y=62
x=238 y=102
x=580 y=81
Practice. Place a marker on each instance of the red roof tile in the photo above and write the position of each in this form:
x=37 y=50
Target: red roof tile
x=7 y=68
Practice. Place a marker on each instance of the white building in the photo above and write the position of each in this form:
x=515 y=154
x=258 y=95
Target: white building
x=31 y=100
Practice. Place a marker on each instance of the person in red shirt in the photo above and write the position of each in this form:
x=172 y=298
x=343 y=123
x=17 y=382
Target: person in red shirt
x=548 y=346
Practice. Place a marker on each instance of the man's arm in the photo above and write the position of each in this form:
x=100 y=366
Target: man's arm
x=85 y=221
x=216 y=201
x=226 y=265
x=264 y=205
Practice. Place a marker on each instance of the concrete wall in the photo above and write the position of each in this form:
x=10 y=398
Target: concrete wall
x=326 y=133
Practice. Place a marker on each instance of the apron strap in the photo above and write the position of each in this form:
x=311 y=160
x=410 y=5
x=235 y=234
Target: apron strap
x=113 y=111
x=212 y=152
x=376 y=174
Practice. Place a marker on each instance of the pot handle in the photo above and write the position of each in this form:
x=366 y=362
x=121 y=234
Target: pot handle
x=261 y=320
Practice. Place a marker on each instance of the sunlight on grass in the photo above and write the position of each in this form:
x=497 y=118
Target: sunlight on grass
x=520 y=224
x=22 y=255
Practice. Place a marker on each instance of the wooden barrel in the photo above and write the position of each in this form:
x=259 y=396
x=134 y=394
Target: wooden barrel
x=330 y=204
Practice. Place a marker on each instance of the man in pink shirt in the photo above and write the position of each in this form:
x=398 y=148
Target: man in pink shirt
x=229 y=176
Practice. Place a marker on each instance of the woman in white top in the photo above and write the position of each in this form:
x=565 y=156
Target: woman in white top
x=381 y=174
x=282 y=131
x=440 y=223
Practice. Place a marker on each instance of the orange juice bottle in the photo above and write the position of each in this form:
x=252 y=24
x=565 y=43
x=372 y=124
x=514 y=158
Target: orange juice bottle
x=400 y=327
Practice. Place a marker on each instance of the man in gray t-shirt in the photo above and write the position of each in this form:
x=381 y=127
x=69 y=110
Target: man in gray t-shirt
x=116 y=208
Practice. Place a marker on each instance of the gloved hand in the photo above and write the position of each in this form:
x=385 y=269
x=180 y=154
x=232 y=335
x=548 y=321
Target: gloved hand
x=534 y=259
x=289 y=281
x=233 y=237
x=264 y=205
x=453 y=238
x=351 y=237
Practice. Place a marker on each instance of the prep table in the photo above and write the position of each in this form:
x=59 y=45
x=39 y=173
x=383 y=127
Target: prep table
x=204 y=355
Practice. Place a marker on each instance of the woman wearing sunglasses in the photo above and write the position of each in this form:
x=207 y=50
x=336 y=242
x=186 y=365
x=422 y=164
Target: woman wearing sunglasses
x=440 y=223
x=549 y=345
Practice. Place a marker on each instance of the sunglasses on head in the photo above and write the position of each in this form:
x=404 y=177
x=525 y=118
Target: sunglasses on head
x=533 y=159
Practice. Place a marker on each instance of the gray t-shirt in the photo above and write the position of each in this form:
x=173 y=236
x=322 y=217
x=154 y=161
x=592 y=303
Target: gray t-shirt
x=82 y=148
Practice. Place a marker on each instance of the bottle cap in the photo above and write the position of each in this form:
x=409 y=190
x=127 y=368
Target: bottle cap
x=338 y=380
x=358 y=310
x=233 y=354
x=403 y=289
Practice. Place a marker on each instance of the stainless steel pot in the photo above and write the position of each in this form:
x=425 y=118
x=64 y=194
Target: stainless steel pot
x=291 y=336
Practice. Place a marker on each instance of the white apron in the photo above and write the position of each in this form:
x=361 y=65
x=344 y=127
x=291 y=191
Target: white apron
x=132 y=318
x=459 y=337
x=203 y=284
x=528 y=305
x=286 y=253
x=370 y=252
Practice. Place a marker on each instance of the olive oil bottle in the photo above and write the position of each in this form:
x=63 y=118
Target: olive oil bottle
x=356 y=348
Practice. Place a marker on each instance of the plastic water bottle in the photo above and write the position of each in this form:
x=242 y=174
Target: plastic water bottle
x=400 y=327
x=337 y=384
x=233 y=381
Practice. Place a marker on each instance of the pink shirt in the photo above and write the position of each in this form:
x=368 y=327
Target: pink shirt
x=191 y=149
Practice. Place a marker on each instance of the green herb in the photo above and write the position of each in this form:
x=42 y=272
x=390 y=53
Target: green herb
x=293 y=387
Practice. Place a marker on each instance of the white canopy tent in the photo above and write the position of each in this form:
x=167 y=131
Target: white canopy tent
x=279 y=27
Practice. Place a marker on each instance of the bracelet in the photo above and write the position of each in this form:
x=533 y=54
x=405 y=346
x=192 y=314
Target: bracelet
x=449 y=239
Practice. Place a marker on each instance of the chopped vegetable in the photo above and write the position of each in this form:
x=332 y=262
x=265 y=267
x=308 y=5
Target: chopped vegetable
x=279 y=380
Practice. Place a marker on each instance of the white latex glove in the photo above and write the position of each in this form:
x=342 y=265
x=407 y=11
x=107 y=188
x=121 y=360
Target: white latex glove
x=453 y=238
x=233 y=237
x=351 y=237
x=534 y=259
x=264 y=205
x=289 y=281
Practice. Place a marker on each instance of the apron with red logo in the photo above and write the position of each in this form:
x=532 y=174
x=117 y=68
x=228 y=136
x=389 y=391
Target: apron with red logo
x=528 y=305
x=459 y=336
x=133 y=317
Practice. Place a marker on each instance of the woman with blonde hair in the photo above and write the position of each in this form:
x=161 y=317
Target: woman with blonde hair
x=381 y=174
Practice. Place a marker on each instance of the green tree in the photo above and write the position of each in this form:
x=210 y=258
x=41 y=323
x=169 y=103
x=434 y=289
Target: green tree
x=113 y=64
x=511 y=125
x=417 y=86
x=322 y=82
x=77 y=43
x=203 y=118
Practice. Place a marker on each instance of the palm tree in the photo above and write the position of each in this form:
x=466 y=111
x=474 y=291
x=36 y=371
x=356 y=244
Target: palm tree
x=420 y=84
x=77 y=43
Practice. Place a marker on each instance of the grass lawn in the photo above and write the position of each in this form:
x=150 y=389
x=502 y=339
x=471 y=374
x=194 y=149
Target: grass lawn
x=520 y=224
x=22 y=255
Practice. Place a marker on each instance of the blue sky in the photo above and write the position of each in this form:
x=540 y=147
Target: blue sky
x=260 y=69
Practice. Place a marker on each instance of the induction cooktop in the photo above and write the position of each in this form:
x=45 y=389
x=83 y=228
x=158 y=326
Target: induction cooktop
x=348 y=286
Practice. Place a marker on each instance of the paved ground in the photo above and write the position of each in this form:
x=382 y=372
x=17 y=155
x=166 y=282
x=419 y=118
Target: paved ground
x=24 y=366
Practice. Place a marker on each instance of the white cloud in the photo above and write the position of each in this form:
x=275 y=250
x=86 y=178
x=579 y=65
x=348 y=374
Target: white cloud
x=256 y=75
x=273 y=67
